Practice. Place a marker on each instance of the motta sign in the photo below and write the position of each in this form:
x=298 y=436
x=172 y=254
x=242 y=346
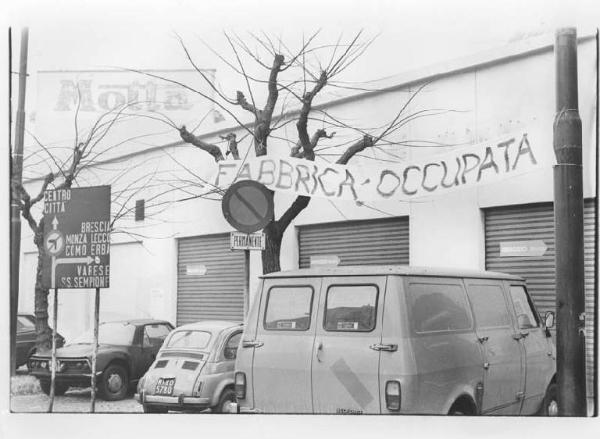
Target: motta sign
x=77 y=238
x=437 y=174
x=244 y=241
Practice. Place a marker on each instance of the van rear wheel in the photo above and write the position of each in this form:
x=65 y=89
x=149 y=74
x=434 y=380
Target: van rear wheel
x=550 y=402
x=227 y=397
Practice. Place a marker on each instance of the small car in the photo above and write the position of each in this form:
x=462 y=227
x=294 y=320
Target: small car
x=125 y=351
x=26 y=337
x=193 y=370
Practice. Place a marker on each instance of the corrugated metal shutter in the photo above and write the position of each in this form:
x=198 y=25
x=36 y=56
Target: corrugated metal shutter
x=370 y=242
x=219 y=293
x=536 y=222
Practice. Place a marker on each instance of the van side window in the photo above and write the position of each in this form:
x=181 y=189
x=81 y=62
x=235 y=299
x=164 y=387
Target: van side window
x=526 y=317
x=489 y=306
x=438 y=307
x=289 y=308
x=351 y=308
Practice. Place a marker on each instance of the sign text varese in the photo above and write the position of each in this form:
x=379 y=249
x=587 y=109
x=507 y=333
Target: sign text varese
x=462 y=167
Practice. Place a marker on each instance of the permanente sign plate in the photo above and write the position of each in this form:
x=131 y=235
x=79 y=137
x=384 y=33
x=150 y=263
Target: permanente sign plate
x=77 y=238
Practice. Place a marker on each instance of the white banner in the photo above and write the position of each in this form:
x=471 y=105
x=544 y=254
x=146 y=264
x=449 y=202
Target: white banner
x=463 y=167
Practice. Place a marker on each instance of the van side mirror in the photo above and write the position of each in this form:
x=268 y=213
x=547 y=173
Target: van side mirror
x=549 y=319
x=523 y=321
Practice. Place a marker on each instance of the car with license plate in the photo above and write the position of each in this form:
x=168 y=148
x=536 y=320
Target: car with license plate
x=26 y=338
x=395 y=340
x=125 y=351
x=193 y=370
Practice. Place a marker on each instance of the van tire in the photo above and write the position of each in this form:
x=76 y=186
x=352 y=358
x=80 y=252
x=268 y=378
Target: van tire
x=462 y=407
x=550 y=401
x=227 y=397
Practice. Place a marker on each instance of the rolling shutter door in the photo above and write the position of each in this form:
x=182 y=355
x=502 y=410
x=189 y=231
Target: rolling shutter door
x=219 y=293
x=370 y=242
x=536 y=222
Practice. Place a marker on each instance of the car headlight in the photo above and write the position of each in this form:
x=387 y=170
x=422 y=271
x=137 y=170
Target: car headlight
x=44 y=364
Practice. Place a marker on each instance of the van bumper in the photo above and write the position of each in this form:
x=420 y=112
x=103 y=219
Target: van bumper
x=234 y=407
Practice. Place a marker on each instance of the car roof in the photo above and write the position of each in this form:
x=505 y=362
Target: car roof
x=402 y=270
x=211 y=325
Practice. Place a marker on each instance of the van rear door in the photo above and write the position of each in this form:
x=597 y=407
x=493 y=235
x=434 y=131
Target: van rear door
x=348 y=345
x=283 y=345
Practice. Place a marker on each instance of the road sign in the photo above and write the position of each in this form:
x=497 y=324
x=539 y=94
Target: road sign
x=535 y=248
x=248 y=206
x=245 y=241
x=77 y=238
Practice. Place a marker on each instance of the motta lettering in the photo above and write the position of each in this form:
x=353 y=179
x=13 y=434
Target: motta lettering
x=151 y=96
x=482 y=163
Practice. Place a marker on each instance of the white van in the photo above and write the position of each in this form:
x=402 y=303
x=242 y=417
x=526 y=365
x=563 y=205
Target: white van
x=395 y=339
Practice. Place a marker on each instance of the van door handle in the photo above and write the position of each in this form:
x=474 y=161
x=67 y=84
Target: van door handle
x=251 y=343
x=384 y=347
x=482 y=339
x=319 y=350
x=520 y=335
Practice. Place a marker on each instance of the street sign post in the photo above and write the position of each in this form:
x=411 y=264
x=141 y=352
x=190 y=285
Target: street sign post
x=77 y=244
x=248 y=207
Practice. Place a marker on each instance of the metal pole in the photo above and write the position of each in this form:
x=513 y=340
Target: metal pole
x=17 y=174
x=246 y=282
x=568 y=224
x=53 y=373
x=95 y=350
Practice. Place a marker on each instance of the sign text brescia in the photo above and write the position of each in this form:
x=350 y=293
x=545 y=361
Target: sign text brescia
x=436 y=174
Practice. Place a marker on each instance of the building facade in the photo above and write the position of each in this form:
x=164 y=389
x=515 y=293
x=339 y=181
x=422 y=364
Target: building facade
x=177 y=264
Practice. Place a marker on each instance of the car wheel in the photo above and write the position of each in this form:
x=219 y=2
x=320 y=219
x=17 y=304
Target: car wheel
x=227 y=397
x=59 y=388
x=114 y=383
x=550 y=402
x=154 y=409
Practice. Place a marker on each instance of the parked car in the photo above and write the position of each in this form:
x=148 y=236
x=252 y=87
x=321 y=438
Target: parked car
x=193 y=370
x=26 y=338
x=395 y=339
x=125 y=351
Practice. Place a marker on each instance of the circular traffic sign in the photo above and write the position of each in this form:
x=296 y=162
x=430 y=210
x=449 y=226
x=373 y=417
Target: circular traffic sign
x=54 y=242
x=248 y=206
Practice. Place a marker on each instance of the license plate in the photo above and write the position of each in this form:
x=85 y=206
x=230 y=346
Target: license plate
x=164 y=386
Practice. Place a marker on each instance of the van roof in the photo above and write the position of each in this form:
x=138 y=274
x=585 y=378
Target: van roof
x=403 y=270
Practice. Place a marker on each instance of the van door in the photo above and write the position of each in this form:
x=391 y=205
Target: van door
x=538 y=352
x=283 y=345
x=348 y=345
x=503 y=372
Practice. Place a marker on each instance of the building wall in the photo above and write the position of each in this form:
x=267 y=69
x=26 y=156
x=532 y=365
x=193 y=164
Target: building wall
x=487 y=100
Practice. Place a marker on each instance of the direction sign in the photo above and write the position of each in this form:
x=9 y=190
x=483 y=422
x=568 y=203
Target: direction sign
x=245 y=241
x=534 y=248
x=248 y=206
x=77 y=238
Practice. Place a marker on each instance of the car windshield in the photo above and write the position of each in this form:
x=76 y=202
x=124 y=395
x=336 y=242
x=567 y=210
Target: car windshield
x=117 y=333
x=189 y=339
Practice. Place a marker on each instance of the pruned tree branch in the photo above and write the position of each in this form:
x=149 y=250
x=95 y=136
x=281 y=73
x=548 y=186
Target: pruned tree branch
x=213 y=150
x=232 y=145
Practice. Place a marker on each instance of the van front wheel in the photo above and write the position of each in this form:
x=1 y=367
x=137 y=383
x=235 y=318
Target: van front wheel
x=550 y=402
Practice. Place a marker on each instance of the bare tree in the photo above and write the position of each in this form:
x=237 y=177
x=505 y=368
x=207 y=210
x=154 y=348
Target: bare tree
x=67 y=166
x=291 y=81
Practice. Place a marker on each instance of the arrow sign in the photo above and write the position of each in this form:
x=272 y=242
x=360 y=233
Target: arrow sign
x=77 y=238
x=536 y=248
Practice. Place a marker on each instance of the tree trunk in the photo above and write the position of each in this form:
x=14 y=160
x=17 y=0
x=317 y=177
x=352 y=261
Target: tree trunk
x=271 y=253
x=43 y=331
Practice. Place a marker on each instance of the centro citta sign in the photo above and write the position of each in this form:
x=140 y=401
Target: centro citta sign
x=77 y=238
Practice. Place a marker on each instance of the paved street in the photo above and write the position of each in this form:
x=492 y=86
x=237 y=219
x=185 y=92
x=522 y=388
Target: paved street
x=74 y=401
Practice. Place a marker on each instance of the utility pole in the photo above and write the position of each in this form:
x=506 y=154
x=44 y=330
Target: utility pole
x=17 y=176
x=568 y=226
